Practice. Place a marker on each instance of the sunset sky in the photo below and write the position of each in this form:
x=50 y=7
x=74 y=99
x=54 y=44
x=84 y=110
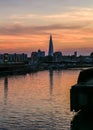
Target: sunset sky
x=26 y=25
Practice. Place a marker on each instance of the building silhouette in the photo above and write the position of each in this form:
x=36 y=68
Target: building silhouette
x=41 y=53
x=50 y=52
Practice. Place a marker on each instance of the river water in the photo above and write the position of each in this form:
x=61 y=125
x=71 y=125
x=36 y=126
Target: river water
x=37 y=101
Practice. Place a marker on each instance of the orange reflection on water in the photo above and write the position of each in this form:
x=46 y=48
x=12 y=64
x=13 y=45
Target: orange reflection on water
x=42 y=97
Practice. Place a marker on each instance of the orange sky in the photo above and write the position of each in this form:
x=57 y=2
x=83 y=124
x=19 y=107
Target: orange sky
x=26 y=26
x=64 y=40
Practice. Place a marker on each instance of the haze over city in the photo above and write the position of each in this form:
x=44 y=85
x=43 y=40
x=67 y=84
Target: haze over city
x=26 y=25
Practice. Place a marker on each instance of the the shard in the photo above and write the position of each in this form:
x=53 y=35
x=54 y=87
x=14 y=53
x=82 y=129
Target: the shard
x=50 y=52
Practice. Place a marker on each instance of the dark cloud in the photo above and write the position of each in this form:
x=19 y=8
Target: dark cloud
x=25 y=30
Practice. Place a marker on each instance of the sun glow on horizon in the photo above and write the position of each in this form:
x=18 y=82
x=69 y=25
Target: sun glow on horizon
x=26 y=30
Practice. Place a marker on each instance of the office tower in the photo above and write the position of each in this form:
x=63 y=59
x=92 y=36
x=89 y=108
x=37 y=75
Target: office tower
x=50 y=52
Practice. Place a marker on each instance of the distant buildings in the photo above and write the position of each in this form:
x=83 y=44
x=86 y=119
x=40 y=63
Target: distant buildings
x=39 y=58
x=13 y=58
x=36 y=55
x=75 y=53
x=41 y=53
x=57 y=56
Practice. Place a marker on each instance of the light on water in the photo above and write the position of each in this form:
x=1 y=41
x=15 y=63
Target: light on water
x=37 y=101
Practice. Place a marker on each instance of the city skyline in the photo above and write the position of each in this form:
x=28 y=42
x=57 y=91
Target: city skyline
x=26 y=26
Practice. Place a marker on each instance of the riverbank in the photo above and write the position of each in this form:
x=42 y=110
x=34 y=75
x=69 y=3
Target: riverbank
x=11 y=69
x=21 y=68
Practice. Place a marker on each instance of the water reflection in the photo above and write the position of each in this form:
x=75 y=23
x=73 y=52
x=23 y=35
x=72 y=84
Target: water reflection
x=26 y=103
x=82 y=121
x=51 y=81
x=5 y=89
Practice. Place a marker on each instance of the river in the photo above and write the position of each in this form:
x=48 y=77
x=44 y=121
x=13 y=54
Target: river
x=37 y=101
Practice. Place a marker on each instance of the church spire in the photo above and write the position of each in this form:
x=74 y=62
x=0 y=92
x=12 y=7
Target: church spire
x=50 y=52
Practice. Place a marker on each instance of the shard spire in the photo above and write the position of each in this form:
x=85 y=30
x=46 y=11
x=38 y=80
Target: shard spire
x=50 y=52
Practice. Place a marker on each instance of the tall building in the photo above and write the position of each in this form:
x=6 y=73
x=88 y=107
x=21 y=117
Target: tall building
x=50 y=52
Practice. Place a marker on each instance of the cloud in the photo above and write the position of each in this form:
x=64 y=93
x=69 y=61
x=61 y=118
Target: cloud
x=73 y=26
x=27 y=16
x=71 y=16
x=18 y=29
x=27 y=23
x=71 y=12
